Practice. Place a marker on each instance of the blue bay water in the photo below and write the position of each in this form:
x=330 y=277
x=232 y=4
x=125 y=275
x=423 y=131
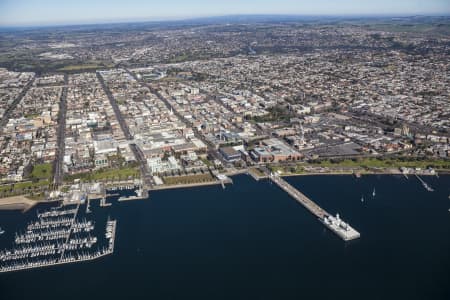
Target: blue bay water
x=252 y=241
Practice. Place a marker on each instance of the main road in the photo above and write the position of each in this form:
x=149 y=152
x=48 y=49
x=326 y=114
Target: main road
x=138 y=154
x=16 y=101
x=212 y=151
x=58 y=173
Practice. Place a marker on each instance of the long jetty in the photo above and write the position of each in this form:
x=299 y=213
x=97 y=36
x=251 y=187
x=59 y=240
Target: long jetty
x=425 y=185
x=300 y=197
x=335 y=224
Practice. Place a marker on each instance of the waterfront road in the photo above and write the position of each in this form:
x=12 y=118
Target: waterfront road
x=140 y=158
x=58 y=173
x=112 y=100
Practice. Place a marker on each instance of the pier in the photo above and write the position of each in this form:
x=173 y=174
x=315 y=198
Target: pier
x=300 y=197
x=335 y=224
x=71 y=227
x=425 y=185
x=140 y=195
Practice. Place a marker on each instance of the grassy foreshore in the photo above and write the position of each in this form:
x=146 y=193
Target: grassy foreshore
x=357 y=172
x=346 y=167
x=364 y=166
x=188 y=179
x=105 y=174
x=385 y=163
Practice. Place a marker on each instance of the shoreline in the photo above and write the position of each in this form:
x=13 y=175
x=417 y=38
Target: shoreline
x=24 y=204
x=187 y=185
x=362 y=174
x=17 y=203
x=192 y=185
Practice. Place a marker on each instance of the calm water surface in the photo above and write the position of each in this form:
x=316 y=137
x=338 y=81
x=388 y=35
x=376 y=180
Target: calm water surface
x=252 y=241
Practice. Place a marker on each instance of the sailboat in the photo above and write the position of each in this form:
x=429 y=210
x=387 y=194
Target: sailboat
x=373 y=193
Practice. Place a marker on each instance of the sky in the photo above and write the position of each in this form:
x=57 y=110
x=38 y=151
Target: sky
x=52 y=12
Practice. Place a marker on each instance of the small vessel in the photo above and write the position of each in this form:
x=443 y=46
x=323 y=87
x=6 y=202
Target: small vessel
x=362 y=198
x=1 y=231
x=373 y=193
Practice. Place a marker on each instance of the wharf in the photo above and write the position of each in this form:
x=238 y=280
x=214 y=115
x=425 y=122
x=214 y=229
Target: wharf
x=254 y=174
x=187 y=185
x=335 y=224
x=131 y=198
x=424 y=184
x=71 y=228
x=300 y=197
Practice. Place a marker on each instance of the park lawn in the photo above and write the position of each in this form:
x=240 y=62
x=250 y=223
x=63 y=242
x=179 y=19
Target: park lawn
x=81 y=67
x=37 y=197
x=42 y=171
x=22 y=187
x=116 y=173
x=299 y=169
x=31 y=116
x=179 y=58
x=106 y=174
x=189 y=179
x=206 y=161
x=87 y=65
x=258 y=172
x=386 y=163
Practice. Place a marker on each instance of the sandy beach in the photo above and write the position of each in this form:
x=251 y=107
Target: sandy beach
x=17 y=203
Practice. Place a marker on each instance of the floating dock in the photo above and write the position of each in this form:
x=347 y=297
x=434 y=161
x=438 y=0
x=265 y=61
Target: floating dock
x=335 y=224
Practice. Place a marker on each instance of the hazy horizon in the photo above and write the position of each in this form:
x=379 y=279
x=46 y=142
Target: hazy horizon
x=199 y=18
x=20 y=13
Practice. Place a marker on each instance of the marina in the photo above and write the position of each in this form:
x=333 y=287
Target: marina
x=57 y=237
